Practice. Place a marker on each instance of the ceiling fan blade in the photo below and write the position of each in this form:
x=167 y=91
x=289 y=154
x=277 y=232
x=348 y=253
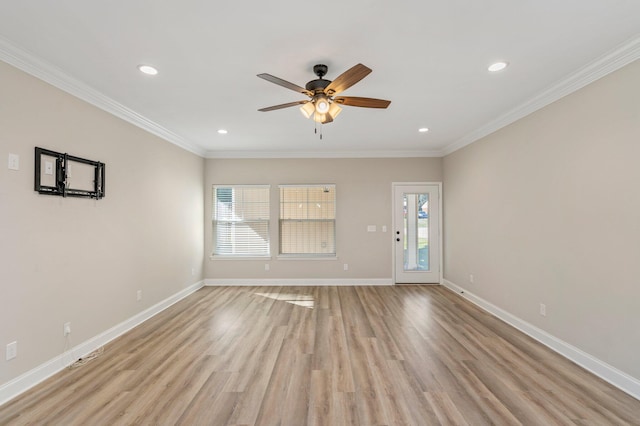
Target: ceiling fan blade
x=284 y=83
x=362 y=102
x=290 y=104
x=347 y=79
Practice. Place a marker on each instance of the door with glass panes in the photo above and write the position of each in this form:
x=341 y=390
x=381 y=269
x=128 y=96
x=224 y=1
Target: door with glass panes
x=416 y=233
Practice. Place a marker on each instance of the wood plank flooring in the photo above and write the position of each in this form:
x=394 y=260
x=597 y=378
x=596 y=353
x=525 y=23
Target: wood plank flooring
x=403 y=355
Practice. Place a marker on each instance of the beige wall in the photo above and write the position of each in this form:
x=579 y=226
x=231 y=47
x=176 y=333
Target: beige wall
x=363 y=192
x=547 y=210
x=83 y=260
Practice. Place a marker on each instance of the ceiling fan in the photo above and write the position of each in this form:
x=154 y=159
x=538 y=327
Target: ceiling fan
x=322 y=104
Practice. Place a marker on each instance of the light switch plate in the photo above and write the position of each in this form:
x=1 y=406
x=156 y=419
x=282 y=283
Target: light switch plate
x=14 y=162
x=12 y=350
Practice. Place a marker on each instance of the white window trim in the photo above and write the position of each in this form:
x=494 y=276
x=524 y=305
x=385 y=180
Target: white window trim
x=330 y=257
x=238 y=257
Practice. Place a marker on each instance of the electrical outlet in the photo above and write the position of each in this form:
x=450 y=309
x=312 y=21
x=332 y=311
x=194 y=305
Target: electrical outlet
x=66 y=329
x=193 y=272
x=266 y=267
x=139 y=295
x=12 y=350
x=543 y=309
x=346 y=266
x=471 y=278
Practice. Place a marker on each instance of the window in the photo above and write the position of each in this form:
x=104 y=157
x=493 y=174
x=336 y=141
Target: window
x=241 y=220
x=308 y=220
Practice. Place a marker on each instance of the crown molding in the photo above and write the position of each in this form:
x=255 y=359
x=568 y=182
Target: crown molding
x=319 y=154
x=29 y=63
x=606 y=64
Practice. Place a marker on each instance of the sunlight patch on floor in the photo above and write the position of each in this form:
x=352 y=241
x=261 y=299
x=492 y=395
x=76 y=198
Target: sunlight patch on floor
x=304 y=300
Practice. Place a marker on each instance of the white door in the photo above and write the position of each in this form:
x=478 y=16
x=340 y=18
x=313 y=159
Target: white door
x=416 y=231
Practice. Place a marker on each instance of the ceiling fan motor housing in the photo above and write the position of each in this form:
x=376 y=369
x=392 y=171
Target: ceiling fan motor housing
x=317 y=86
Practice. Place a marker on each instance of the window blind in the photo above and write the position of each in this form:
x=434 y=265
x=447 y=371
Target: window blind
x=241 y=220
x=308 y=220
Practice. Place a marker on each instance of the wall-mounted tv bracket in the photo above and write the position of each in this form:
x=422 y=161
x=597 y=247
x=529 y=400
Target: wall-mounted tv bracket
x=61 y=185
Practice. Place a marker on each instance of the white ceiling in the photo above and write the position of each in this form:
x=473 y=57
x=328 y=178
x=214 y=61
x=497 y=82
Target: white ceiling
x=428 y=57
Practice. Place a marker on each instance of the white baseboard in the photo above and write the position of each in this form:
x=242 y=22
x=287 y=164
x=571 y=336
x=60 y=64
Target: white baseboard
x=32 y=377
x=270 y=282
x=600 y=368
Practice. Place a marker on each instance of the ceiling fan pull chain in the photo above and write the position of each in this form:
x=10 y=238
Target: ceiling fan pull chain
x=315 y=130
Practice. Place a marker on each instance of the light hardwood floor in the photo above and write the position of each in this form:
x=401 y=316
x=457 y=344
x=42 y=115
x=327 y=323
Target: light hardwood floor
x=403 y=355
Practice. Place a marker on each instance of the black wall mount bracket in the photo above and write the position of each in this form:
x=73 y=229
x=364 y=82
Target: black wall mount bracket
x=57 y=180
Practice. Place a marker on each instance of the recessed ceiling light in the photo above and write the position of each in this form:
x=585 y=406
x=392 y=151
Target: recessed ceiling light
x=498 y=66
x=222 y=131
x=147 y=69
x=423 y=130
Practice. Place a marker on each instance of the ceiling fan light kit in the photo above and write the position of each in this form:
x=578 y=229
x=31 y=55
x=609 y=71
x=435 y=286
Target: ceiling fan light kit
x=308 y=109
x=322 y=106
x=334 y=110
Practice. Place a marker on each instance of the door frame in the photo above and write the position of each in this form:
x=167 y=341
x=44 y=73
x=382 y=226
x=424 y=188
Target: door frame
x=393 y=226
